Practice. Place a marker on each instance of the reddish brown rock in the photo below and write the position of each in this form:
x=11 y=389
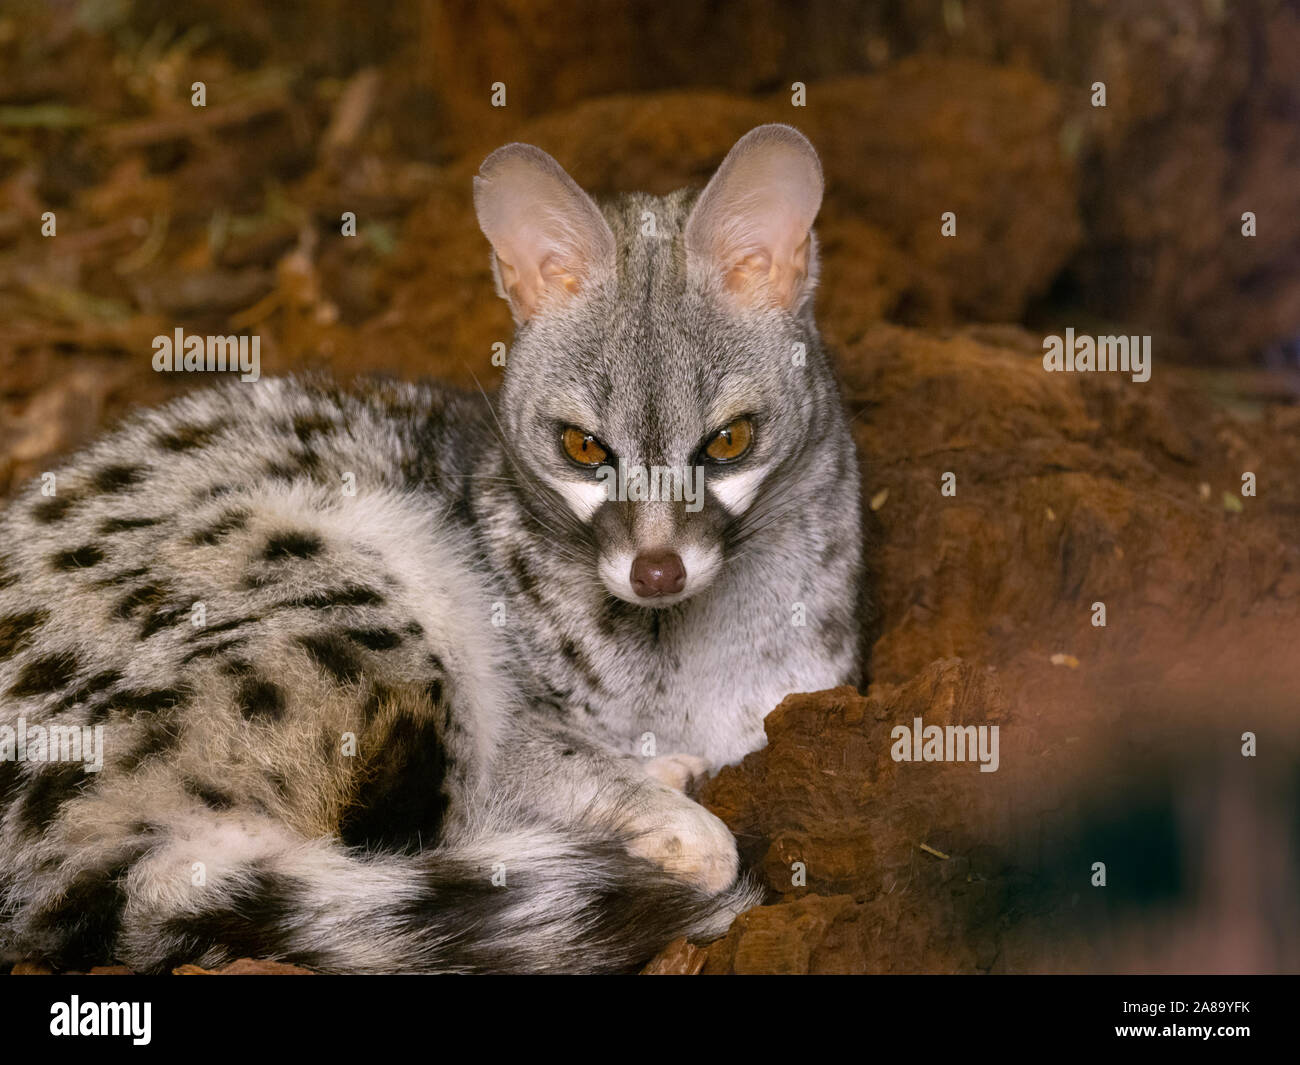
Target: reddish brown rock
x=837 y=828
x=30 y=968
x=679 y=958
x=246 y=967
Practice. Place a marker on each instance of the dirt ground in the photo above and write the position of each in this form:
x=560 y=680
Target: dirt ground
x=1120 y=743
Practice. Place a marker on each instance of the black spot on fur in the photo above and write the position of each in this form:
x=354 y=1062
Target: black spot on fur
x=54 y=785
x=155 y=604
x=333 y=654
x=10 y=778
x=48 y=511
x=146 y=700
x=7 y=576
x=350 y=595
x=212 y=798
x=253 y=918
x=95 y=685
x=158 y=734
x=222 y=626
x=87 y=917
x=378 y=697
x=215 y=650
x=15 y=629
x=185 y=437
x=159 y=618
x=117 y=478
x=308 y=462
x=125 y=577
x=45 y=674
x=100 y=682
x=377 y=639
x=229 y=522
x=292 y=545
x=280 y=470
x=305 y=426
x=78 y=558
x=259 y=698
x=116 y=525
x=401 y=805
x=413 y=628
x=146 y=595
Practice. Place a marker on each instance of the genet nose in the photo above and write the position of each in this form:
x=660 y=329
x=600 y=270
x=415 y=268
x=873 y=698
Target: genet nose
x=656 y=573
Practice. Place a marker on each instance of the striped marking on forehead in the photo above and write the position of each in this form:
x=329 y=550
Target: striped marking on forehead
x=648 y=234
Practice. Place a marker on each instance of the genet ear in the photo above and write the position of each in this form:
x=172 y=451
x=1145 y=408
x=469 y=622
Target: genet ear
x=548 y=238
x=752 y=225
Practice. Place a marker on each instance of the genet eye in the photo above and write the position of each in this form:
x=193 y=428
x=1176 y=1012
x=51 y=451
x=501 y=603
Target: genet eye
x=730 y=443
x=583 y=448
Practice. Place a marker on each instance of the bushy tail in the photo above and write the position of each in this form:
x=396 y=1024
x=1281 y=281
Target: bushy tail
x=507 y=900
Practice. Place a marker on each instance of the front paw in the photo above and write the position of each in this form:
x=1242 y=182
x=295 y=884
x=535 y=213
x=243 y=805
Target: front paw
x=685 y=840
x=681 y=772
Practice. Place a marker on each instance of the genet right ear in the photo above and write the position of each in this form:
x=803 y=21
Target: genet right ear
x=752 y=225
x=548 y=238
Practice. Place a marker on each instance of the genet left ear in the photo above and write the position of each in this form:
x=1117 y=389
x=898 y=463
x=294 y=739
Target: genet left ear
x=548 y=237
x=752 y=224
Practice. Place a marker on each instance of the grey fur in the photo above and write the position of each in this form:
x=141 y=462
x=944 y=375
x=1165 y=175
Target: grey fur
x=451 y=617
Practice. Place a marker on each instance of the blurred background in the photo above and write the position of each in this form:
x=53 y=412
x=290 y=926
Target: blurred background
x=1120 y=743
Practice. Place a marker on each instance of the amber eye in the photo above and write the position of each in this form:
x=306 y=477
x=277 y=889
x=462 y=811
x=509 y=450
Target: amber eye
x=732 y=442
x=583 y=448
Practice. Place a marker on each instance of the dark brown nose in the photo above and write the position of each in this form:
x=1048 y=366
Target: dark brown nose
x=656 y=573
